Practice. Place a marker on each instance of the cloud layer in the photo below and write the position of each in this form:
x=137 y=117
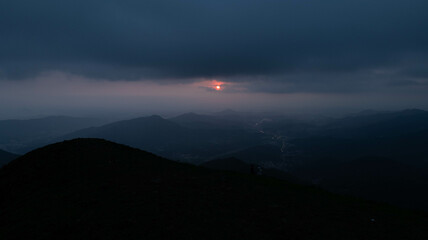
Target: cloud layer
x=312 y=45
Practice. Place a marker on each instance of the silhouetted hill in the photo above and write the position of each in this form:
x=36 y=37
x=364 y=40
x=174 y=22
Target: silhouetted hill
x=230 y=164
x=170 y=139
x=95 y=189
x=375 y=178
x=265 y=155
x=381 y=179
x=19 y=135
x=6 y=157
x=236 y=165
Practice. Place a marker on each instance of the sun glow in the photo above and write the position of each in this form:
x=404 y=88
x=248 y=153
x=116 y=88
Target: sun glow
x=213 y=85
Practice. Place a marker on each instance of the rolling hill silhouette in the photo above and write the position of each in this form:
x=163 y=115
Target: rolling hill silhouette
x=6 y=157
x=96 y=189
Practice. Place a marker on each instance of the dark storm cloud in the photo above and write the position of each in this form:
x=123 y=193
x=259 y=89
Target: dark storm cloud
x=132 y=39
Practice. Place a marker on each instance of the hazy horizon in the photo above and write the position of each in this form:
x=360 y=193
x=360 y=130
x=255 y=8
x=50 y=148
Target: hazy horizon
x=110 y=116
x=120 y=58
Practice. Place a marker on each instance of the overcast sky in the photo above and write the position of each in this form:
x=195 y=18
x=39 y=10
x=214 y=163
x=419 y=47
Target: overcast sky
x=130 y=56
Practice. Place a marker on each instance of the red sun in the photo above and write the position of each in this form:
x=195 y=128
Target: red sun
x=218 y=87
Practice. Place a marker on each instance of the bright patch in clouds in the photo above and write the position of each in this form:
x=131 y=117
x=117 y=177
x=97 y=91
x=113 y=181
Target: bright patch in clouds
x=217 y=85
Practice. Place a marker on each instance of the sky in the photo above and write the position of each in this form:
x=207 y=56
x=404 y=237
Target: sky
x=93 y=57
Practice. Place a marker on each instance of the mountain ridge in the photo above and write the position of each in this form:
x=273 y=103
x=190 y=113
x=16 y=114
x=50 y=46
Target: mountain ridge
x=170 y=139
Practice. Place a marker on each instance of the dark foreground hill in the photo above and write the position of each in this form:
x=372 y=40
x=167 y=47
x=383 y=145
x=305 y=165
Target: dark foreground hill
x=374 y=178
x=235 y=165
x=95 y=189
x=6 y=157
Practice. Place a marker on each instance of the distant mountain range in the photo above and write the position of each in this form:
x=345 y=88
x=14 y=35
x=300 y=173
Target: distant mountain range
x=95 y=189
x=402 y=136
x=382 y=124
x=321 y=152
x=19 y=135
x=170 y=139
